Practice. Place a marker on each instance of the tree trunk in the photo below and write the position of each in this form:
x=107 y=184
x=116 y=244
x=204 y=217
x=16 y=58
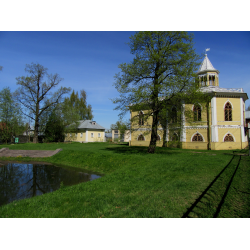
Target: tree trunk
x=152 y=145
x=164 y=144
x=155 y=106
x=35 y=139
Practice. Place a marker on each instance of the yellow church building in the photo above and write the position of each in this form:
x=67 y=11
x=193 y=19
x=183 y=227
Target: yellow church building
x=220 y=126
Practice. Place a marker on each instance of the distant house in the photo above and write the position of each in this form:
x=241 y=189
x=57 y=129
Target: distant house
x=108 y=136
x=86 y=131
x=124 y=138
x=29 y=131
x=115 y=135
x=247 y=116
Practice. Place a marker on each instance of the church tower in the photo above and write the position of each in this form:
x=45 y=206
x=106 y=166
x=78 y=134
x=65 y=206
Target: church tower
x=208 y=75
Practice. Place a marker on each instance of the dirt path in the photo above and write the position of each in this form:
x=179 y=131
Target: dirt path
x=6 y=152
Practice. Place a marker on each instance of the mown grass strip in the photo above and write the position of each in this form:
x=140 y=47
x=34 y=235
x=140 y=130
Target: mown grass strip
x=205 y=192
x=237 y=201
x=136 y=184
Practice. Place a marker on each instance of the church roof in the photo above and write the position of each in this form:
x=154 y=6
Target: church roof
x=227 y=91
x=206 y=66
x=218 y=89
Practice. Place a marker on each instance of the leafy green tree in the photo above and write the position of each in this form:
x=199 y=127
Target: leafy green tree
x=33 y=93
x=163 y=68
x=5 y=132
x=10 y=115
x=75 y=108
x=54 y=131
x=44 y=118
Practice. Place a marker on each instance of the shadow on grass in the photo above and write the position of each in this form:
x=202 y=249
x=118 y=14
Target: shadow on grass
x=238 y=152
x=128 y=150
x=210 y=194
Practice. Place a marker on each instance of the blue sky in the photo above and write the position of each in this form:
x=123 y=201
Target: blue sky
x=89 y=61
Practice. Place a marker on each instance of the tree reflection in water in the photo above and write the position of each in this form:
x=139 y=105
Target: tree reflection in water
x=19 y=180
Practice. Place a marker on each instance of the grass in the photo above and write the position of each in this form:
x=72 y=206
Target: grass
x=136 y=184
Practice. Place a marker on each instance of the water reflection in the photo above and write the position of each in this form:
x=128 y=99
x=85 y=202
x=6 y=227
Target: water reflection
x=19 y=180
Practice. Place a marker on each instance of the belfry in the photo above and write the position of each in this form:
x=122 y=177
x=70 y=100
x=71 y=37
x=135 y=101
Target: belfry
x=208 y=75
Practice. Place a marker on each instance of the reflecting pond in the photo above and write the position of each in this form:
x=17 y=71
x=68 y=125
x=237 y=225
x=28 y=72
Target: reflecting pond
x=24 y=180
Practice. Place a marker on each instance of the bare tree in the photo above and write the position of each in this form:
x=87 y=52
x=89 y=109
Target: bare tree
x=35 y=95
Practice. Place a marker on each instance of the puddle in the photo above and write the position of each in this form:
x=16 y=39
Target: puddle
x=25 y=180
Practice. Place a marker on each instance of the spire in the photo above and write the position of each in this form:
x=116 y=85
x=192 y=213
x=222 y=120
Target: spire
x=206 y=66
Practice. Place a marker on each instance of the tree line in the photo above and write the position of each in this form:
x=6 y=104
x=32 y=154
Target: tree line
x=34 y=100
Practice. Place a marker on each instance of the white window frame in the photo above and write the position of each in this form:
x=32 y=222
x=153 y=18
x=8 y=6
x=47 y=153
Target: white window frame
x=81 y=135
x=99 y=135
x=92 y=135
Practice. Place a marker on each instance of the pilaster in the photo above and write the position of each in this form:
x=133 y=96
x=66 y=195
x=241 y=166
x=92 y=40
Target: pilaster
x=86 y=139
x=242 y=121
x=214 y=126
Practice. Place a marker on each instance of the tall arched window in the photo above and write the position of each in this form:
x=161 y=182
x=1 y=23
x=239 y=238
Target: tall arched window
x=141 y=118
x=197 y=137
x=197 y=112
x=174 y=115
x=158 y=138
x=228 y=138
x=228 y=112
x=141 y=138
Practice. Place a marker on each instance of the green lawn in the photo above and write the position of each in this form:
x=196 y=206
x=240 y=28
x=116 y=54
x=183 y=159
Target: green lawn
x=136 y=184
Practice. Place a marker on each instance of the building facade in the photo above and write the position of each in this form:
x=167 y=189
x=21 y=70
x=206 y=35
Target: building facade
x=116 y=136
x=218 y=125
x=86 y=131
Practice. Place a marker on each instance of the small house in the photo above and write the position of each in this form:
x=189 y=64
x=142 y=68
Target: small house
x=86 y=131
